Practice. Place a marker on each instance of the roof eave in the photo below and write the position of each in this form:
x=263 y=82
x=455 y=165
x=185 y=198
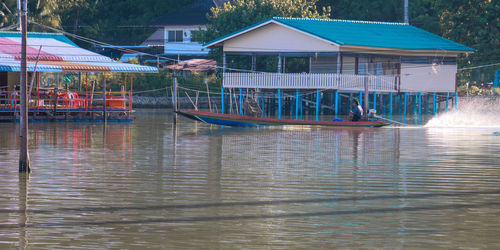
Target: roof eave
x=219 y=42
x=374 y=50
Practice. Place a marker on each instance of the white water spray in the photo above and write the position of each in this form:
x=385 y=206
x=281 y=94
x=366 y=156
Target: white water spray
x=477 y=112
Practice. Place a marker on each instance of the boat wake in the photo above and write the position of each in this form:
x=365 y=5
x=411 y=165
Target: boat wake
x=476 y=112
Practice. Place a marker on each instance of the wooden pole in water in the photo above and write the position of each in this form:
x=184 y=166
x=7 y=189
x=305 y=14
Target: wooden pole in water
x=174 y=95
x=174 y=98
x=24 y=158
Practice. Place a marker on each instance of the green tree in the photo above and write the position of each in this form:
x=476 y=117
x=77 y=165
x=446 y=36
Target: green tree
x=475 y=24
x=242 y=13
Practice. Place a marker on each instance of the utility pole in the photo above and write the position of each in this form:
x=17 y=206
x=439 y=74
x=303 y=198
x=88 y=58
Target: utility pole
x=407 y=19
x=18 y=14
x=24 y=158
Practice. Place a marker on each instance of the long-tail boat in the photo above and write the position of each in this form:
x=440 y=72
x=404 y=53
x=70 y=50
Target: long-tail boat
x=249 y=121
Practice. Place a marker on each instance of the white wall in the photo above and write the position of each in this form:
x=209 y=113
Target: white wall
x=428 y=77
x=276 y=38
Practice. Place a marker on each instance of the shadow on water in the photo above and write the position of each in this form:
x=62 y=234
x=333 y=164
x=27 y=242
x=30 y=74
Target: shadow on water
x=257 y=216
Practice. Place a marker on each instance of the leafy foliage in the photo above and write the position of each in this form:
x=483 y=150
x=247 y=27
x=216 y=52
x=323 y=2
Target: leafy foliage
x=242 y=13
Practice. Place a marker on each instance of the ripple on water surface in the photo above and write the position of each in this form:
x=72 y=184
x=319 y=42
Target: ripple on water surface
x=196 y=186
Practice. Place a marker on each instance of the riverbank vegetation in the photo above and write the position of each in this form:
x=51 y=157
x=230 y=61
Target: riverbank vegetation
x=125 y=22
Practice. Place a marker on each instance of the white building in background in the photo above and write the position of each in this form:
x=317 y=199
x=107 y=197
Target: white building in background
x=176 y=28
x=341 y=54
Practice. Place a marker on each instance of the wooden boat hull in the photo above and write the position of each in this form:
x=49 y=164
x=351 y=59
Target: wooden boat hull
x=248 y=121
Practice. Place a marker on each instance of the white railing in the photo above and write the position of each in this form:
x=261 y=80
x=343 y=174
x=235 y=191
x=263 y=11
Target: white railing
x=309 y=81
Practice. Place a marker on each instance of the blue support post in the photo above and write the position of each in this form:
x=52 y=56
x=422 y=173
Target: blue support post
x=361 y=98
x=415 y=105
x=404 y=107
x=399 y=104
x=419 y=107
x=456 y=101
x=495 y=82
x=336 y=103
x=279 y=103
x=317 y=104
x=263 y=105
x=447 y=100
x=390 y=104
x=297 y=99
x=428 y=106
x=375 y=100
x=383 y=104
x=222 y=100
x=241 y=102
x=301 y=108
x=434 y=104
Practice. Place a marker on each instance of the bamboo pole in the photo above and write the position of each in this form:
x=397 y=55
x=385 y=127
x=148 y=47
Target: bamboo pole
x=208 y=93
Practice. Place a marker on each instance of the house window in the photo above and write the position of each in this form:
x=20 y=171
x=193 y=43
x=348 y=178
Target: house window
x=175 y=35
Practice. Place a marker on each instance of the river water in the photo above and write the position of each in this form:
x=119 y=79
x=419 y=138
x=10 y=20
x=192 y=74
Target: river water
x=155 y=185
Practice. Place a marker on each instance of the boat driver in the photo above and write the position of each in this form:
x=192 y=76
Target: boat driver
x=356 y=112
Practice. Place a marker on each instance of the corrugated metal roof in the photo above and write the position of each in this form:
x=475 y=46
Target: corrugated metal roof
x=361 y=33
x=57 y=54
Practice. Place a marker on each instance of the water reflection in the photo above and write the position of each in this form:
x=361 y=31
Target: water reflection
x=191 y=185
x=23 y=208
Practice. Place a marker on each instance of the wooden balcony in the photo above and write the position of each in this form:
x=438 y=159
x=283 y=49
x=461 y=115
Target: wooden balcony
x=340 y=82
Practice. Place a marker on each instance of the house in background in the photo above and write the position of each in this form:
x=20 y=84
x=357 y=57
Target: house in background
x=342 y=58
x=396 y=57
x=176 y=28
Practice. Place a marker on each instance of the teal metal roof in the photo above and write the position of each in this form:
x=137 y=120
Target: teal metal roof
x=363 y=33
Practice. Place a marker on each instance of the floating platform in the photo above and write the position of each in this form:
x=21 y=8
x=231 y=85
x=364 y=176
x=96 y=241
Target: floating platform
x=68 y=116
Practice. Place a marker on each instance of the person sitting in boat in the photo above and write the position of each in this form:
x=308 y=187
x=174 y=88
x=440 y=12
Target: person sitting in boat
x=356 y=112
